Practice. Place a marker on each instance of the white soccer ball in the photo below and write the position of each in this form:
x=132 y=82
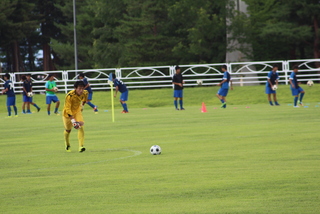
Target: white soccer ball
x=155 y=150
x=30 y=94
x=274 y=87
x=55 y=89
x=310 y=83
x=199 y=82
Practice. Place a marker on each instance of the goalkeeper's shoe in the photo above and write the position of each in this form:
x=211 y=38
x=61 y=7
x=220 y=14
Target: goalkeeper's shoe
x=82 y=149
x=68 y=149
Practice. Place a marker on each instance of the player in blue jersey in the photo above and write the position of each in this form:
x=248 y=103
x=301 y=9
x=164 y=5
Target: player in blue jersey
x=27 y=100
x=88 y=88
x=177 y=81
x=11 y=97
x=295 y=88
x=223 y=91
x=120 y=86
x=50 y=94
x=273 y=78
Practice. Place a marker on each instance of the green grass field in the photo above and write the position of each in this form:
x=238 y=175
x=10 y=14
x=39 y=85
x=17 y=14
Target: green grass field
x=248 y=158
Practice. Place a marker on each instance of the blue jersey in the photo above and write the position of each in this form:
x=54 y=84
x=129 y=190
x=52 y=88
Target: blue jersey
x=294 y=79
x=273 y=76
x=27 y=86
x=226 y=76
x=9 y=85
x=121 y=86
x=85 y=81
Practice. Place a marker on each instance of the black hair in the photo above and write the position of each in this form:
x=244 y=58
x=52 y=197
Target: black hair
x=23 y=77
x=275 y=65
x=177 y=67
x=114 y=76
x=224 y=66
x=7 y=75
x=295 y=67
x=81 y=75
x=78 y=83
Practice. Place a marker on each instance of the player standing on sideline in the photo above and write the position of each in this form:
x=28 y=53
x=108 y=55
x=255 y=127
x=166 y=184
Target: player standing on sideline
x=120 y=86
x=273 y=78
x=11 y=97
x=177 y=81
x=223 y=91
x=295 y=88
x=50 y=94
x=27 y=88
x=88 y=88
x=72 y=114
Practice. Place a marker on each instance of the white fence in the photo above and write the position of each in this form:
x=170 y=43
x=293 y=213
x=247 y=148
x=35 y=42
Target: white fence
x=242 y=73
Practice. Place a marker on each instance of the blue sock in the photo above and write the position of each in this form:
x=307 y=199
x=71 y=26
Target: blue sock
x=48 y=112
x=90 y=104
x=271 y=103
x=181 y=104
x=175 y=103
x=35 y=105
x=9 y=111
x=295 y=101
x=276 y=103
x=15 y=110
x=125 y=107
x=23 y=111
x=28 y=111
x=56 y=110
x=222 y=101
x=301 y=96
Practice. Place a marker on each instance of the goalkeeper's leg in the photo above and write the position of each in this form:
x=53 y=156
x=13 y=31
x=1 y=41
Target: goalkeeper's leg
x=81 y=139
x=66 y=134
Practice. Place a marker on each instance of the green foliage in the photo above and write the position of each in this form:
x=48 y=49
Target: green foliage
x=278 y=29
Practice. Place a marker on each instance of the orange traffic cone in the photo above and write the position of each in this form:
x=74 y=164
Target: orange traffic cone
x=203 y=108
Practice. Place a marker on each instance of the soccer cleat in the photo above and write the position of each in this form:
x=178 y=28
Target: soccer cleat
x=57 y=113
x=68 y=149
x=82 y=149
x=182 y=109
x=296 y=106
x=223 y=105
x=277 y=104
x=29 y=113
x=124 y=111
x=16 y=115
x=23 y=112
x=38 y=109
x=95 y=109
x=177 y=109
x=300 y=103
x=8 y=117
x=271 y=104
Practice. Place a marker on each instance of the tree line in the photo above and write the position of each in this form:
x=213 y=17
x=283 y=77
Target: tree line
x=38 y=34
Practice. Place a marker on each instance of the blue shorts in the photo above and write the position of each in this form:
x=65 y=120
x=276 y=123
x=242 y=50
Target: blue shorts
x=223 y=92
x=296 y=91
x=27 y=99
x=11 y=101
x=124 y=96
x=50 y=99
x=178 y=93
x=90 y=96
x=269 y=90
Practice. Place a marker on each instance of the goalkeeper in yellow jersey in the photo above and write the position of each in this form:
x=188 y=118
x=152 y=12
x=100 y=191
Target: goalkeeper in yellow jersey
x=72 y=114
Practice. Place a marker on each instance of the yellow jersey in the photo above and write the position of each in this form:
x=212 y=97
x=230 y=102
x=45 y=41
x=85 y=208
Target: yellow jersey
x=73 y=103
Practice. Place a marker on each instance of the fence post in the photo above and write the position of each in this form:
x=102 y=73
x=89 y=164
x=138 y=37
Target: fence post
x=65 y=77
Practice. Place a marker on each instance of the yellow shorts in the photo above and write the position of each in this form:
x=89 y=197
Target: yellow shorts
x=67 y=122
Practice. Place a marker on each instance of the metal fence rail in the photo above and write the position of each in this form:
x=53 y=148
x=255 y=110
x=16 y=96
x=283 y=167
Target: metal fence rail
x=242 y=73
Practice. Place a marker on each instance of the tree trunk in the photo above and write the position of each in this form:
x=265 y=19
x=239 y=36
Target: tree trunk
x=47 y=61
x=316 y=51
x=15 y=57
